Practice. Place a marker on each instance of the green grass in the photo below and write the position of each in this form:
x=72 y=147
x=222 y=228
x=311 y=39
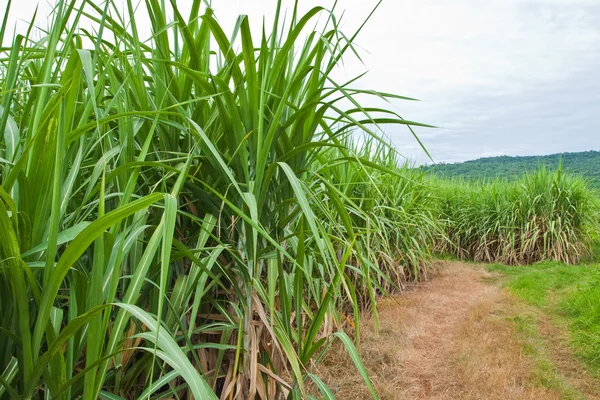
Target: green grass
x=582 y=308
x=544 y=283
x=595 y=256
x=545 y=373
x=568 y=294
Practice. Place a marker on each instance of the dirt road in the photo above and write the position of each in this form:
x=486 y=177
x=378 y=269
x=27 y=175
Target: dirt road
x=459 y=336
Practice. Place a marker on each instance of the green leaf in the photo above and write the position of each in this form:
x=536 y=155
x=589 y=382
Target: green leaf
x=357 y=361
x=74 y=251
x=171 y=353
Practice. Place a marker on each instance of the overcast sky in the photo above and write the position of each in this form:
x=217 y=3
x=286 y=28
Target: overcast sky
x=499 y=77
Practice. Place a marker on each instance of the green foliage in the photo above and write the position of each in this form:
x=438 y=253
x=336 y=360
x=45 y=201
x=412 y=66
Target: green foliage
x=543 y=215
x=402 y=221
x=585 y=164
x=187 y=216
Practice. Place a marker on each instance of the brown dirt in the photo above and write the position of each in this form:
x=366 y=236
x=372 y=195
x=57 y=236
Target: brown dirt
x=451 y=338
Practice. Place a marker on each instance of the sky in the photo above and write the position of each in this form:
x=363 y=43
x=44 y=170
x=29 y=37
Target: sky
x=497 y=77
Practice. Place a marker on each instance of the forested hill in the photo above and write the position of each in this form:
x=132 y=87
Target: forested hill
x=586 y=163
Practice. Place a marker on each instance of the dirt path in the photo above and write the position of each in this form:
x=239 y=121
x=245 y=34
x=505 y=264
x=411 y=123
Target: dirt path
x=459 y=336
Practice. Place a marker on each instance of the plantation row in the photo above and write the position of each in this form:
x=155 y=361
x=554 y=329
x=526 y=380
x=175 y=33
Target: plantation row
x=544 y=215
x=194 y=217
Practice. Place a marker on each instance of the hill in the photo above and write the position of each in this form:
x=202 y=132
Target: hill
x=585 y=163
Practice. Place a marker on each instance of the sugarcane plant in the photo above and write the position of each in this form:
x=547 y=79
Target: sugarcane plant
x=174 y=222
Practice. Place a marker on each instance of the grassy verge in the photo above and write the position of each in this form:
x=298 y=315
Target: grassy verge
x=568 y=295
x=545 y=373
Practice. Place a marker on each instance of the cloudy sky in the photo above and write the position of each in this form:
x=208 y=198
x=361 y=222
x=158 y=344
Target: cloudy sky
x=514 y=77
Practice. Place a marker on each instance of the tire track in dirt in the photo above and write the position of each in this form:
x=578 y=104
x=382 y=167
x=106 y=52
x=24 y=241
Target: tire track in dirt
x=453 y=337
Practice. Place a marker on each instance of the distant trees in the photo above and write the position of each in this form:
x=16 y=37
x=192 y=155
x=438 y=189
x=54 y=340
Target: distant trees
x=585 y=164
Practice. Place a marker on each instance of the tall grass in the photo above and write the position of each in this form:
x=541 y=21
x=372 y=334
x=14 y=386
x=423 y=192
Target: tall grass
x=186 y=217
x=395 y=206
x=391 y=210
x=545 y=215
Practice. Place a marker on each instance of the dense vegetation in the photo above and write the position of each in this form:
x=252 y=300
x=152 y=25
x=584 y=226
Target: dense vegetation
x=585 y=164
x=188 y=217
x=544 y=215
x=193 y=217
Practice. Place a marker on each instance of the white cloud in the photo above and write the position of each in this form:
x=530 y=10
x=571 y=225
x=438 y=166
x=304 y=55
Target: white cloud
x=495 y=74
